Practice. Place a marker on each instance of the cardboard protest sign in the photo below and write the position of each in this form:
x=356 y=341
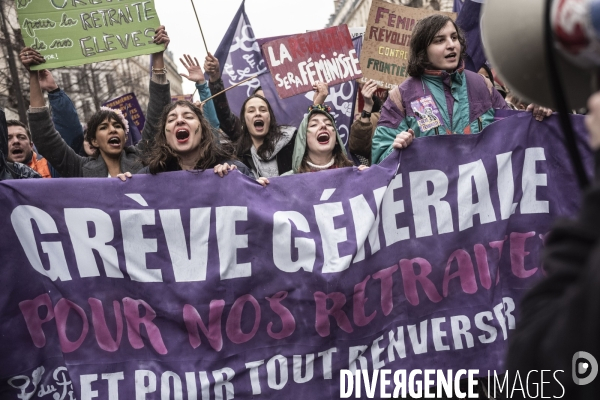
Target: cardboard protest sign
x=297 y=62
x=264 y=293
x=130 y=106
x=384 y=56
x=77 y=32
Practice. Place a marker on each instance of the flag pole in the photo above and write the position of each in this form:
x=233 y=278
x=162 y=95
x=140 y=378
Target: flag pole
x=199 y=26
x=230 y=87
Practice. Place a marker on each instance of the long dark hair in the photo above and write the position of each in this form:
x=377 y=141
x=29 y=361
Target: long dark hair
x=339 y=157
x=421 y=38
x=244 y=143
x=160 y=157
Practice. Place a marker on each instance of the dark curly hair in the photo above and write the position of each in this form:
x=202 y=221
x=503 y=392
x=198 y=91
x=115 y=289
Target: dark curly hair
x=421 y=38
x=160 y=157
x=244 y=142
x=96 y=120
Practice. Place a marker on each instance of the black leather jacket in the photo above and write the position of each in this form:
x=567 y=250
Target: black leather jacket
x=9 y=170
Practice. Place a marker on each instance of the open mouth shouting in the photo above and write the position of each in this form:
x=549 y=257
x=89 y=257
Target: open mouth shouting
x=323 y=137
x=114 y=142
x=16 y=152
x=259 y=125
x=182 y=135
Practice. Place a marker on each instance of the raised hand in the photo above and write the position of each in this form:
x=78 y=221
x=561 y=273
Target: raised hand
x=321 y=92
x=195 y=73
x=200 y=105
x=47 y=81
x=212 y=67
x=367 y=92
x=30 y=57
x=161 y=37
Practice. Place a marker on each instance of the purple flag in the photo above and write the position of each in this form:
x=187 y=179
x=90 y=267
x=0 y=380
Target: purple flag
x=230 y=290
x=239 y=57
x=469 y=21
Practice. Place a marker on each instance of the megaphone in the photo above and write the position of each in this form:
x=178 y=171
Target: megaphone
x=514 y=36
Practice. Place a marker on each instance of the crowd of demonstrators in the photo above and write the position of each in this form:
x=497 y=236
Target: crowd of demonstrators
x=440 y=97
x=106 y=129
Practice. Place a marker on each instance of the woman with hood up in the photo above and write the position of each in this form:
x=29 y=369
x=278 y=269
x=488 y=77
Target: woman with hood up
x=318 y=145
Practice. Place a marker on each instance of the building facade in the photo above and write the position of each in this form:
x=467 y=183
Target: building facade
x=90 y=85
x=355 y=13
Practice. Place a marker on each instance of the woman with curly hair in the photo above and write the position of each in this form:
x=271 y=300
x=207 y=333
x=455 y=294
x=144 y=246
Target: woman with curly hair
x=185 y=142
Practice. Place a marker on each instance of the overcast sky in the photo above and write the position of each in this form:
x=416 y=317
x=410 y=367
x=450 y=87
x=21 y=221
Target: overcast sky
x=267 y=17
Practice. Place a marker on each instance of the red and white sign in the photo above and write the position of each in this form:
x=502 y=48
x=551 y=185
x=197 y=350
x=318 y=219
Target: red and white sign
x=297 y=62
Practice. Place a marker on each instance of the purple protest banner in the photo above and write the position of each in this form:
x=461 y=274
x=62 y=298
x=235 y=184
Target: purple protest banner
x=228 y=289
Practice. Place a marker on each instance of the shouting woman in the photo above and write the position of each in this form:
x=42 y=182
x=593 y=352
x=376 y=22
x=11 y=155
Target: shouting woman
x=106 y=130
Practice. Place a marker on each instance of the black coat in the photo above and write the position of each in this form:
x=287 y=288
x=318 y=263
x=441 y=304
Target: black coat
x=561 y=315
